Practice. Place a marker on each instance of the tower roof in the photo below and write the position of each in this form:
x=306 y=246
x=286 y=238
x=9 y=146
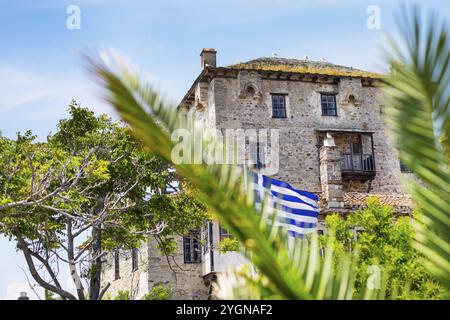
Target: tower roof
x=302 y=66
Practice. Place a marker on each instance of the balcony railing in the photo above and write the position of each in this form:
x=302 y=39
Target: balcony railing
x=363 y=163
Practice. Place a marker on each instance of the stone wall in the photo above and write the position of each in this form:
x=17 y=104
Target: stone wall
x=136 y=282
x=359 y=108
x=185 y=278
x=155 y=269
x=331 y=177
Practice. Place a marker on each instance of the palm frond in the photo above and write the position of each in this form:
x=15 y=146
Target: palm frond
x=419 y=91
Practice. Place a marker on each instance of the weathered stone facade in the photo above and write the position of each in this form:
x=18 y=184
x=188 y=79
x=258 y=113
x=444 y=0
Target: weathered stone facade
x=133 y=281
x=154 y=268
x=298 y=131
x=340 y=157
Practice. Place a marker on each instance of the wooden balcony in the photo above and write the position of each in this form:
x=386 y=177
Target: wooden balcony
x=358 y=166
x=358 y=159
x=357 y=153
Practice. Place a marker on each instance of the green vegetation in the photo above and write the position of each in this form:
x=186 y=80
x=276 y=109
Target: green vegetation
x=88 y=189
x=385 y=242
x=123 y=295
x=159 y=292
x=419 y=91
x=228 y=245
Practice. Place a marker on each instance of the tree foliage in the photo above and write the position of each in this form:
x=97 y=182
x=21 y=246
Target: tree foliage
x=228 y=245
x=159 y=292
x=419 y=92
x=88 y=189
x=385 y=242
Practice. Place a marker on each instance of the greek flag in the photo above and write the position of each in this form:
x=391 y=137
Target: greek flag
x=296 y=210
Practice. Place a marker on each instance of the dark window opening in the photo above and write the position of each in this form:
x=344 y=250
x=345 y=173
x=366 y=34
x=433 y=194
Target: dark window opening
x=206 y=238
x=278 y=106
x=134 y=259
x=191 y=247
x=257 y=155
x=328 y=102
x=356 y=147
x=224 y=233
x=116 y=265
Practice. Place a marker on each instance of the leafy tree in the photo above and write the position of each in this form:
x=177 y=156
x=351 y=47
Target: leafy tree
x=386 y=243
x=88 y=189
x=159 y=292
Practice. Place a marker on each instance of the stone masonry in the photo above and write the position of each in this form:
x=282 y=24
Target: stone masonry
x=331 y=177
x=154 y=268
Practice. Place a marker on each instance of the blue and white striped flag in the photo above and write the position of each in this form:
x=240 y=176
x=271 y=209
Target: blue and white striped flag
x=296 y=210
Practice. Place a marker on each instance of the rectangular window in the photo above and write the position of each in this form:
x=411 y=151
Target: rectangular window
x=278 y=106
x=328 y=102
x=116 y=265
x=191 y=247
x=224 y=233
x=257 y=155
x=206 y=238
x=134 y=259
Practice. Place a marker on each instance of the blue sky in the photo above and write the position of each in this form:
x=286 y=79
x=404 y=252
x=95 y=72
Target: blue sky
x=40 y=65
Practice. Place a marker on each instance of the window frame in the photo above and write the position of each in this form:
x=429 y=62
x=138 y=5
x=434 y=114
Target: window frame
x=260 y=154
x=116 y=265
x=191 y=241
x=224 y=233
x=134 y=259
x=206 y=239
x=328 y=94
x=278 y=107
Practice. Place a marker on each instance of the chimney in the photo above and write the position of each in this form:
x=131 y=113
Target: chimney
x=23 y=296
x=208 y=58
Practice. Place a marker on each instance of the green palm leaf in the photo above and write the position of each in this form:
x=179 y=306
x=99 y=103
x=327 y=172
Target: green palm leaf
x=419 y=90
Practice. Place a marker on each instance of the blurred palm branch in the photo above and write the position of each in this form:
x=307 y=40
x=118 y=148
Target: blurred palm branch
x=418 y=89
